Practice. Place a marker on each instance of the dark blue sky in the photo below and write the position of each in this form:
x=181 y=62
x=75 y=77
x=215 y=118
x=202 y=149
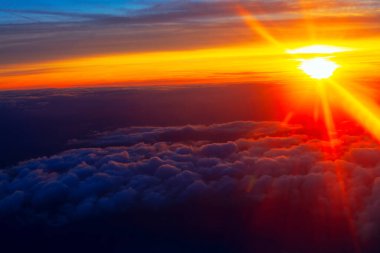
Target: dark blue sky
x=19 y=11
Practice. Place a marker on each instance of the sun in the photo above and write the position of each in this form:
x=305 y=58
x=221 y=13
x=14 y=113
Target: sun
x=319 y=67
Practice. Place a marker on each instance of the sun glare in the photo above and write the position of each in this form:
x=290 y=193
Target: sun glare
x=319 y=68
x=318 y=49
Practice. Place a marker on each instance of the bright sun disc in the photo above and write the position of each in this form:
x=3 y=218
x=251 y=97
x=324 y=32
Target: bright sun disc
x=319 y=68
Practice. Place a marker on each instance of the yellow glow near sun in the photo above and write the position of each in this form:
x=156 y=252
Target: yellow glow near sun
x=319 y=67
x=318 y=49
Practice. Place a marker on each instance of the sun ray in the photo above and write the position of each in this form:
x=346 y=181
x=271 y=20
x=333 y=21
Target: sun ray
x=327 y=115
x=365 y=114
x=257 y=27
x=309 y=22
x=288 y=118
x=347 y=209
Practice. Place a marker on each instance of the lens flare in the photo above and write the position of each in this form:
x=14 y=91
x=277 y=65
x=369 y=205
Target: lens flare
x=319 y=68
x=315 y=61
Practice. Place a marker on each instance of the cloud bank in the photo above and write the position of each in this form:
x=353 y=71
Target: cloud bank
x=283 y=176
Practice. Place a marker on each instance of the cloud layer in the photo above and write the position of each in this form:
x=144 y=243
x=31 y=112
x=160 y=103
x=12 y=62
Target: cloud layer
x=281 y=173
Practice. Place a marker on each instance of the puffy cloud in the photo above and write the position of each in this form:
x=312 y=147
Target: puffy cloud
x=283 y=177
x=218 y=149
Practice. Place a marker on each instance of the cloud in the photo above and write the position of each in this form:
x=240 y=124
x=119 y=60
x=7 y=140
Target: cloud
x=215 y=133
x=282 y=176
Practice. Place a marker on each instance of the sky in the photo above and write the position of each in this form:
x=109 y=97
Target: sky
x=107 y=43
x=190 y=126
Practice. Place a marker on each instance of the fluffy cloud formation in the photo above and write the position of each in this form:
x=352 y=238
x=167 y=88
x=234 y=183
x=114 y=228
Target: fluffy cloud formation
x=285 y=177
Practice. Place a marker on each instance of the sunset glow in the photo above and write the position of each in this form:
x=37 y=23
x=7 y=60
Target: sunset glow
x=255 y=50
x=317 y=49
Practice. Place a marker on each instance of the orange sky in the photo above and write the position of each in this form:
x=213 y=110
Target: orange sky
x=256 y=54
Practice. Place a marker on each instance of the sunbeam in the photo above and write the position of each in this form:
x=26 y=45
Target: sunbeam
x=257 y=27
x=365 y=113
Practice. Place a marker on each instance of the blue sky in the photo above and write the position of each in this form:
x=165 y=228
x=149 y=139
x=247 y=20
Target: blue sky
x=21 y=11
x=37 y=11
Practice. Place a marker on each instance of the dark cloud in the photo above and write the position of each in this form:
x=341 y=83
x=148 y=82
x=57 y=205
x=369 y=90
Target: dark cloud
x=269 y=168
x=215 y=132
x=142 y=106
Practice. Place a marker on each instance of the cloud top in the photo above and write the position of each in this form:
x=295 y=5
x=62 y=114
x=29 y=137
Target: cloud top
x=270 y=168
